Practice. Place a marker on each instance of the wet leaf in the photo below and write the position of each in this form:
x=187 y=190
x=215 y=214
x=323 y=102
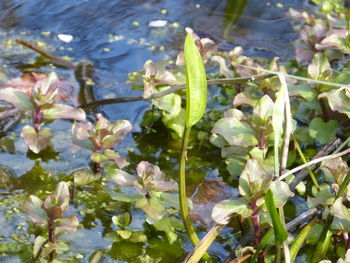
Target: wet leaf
x=254 y=180
x=263 y=111
x=122 y=178
x=17 y=98
x=62 y=111
x=319 y=69
x=130 y=198
x=222 y=211
x=281 y=193
x=196 y=83
x=36 y=141
x=119 y=129
x=175 y=123
x=122 y=220
x=341 y=215
x=321 y=131
x=33 y=208
x=315 y=234
x=57 y=202
x=170 y=103
x=68 y=224
x=165 y=224
x=85 y=176
x=323 y=197
x=153 y=208
x=114 y=156
x=138 y=237
x=336 y=168
x=338 y=100
x=235 y=132
x=7 y=144
x=124 y=234
x=38 y=243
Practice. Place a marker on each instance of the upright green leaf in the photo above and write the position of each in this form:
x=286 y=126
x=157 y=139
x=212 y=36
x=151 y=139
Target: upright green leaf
x=196 y=83
x=278 y=227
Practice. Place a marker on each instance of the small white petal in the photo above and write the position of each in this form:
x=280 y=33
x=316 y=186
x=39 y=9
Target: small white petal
x=158 y=23
x=65 y=37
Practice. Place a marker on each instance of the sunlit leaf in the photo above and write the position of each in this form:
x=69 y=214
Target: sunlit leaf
x=153 y=208
x=33 y=208
x=341 y=213
x=36 y=141
x=319 y=68
x=114 y=156
x=120 y=177
x=68 y=223
x=222 y=211
x=62 y=111
x=119 y=129
x=57 y=202
x=281 y=193
x=85 y=176
x=322 y=197
x=38 y=243
x=338 y=100
x=263 y=111
x=166 y=225
x=17 y=98
x=254 y=180
x=235 y=132
x=196 y=83
x=124 y=234
x=122 y=220
x=322 y=131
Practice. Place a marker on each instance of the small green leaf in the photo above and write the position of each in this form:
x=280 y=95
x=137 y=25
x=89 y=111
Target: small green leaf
x=338 y=99
x=196 y=83
x=85 y=176
x=321 y=131
x=341 y=213
x=122 y=220
x=319 y=68
x=153 y=207
x=124 y=234
x=278 y=227
x=36 y=141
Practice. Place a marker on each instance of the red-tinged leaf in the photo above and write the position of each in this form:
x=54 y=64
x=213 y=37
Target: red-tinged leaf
x=68 y=224
x=122 y=178
x=62 y=111
x=36 y=141
x=114 y=156
x=17 y=98
x=33 y=208
x=85 y=176
x=59 y=198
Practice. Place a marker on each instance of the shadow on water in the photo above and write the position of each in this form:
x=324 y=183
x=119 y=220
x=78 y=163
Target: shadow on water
x=116 y=37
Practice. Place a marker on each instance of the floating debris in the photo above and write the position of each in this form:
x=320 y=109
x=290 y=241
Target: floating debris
x=158 y=23
x=65 y=37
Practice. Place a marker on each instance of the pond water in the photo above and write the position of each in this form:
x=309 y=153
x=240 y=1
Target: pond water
x=117 y=37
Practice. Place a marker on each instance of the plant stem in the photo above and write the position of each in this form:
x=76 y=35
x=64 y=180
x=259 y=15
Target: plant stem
x=312 y=175
x=256 y=225
x=52 y=238
x=182 y=189
x=325 y=115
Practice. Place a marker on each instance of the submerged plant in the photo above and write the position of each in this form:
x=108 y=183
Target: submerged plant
x=42 y=105
x=50 y=216
x=150 y=194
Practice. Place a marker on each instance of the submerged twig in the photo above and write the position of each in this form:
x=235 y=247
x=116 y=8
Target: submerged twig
x=318 y=160
x=58 y=60
x=175 y=89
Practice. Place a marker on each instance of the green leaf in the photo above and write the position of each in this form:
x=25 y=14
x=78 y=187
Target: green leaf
x=130 y=198
x=38 y=243
x=321 y=131
x=300 y=239
x=120 y=177
x=196 y=83
x=84 y=176
x=17 y=98
x=278 y=227
x=322 y=197
x=175 y=123
x=263 y=111
x=223 y=210
x=341 y=213
x=8 y=145
x=67 y=224
x=338 y=99
x=36 y=141
x=254 y=180
x=153 y=208
x=319 y=69
x=166 y=225
x=235 y=132
x=124 y=234
x=122 y=220
x=138 y=237
x=281 y=192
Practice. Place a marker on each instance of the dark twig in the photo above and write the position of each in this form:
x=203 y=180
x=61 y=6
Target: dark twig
x=177 y=88
x=58 y=60
x=327 y=149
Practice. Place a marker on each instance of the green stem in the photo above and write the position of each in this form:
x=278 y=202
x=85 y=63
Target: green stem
x=182 y=189
x=312 y=175
x=342 y=145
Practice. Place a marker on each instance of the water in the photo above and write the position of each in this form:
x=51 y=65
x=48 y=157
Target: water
x=116 y=37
